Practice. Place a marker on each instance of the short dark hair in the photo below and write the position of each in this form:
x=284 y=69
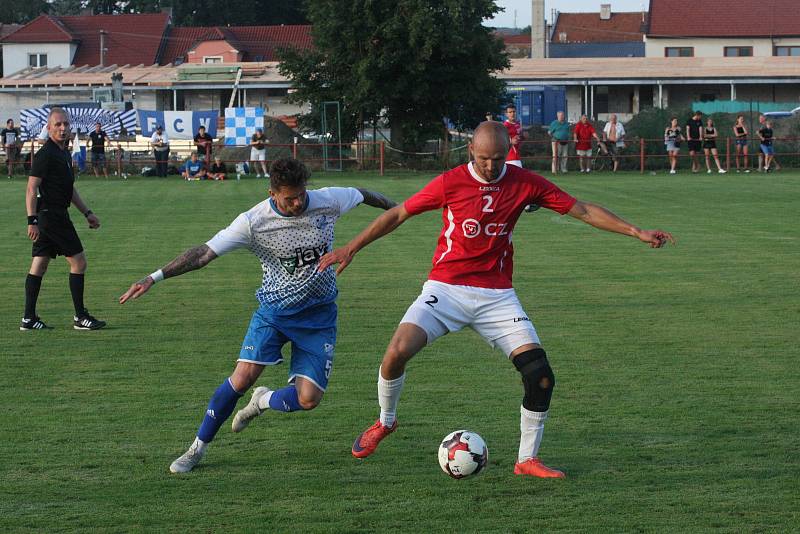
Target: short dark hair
x=511 y=106
x=9 y=120
x=202 y=127
x=287 y=172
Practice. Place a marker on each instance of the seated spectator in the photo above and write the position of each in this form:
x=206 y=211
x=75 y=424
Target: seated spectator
x=204 y=144
x=218 y=169
x=194 y=169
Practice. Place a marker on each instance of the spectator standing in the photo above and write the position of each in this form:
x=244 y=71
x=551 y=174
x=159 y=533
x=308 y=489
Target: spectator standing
x=559 y=134
x=762 y=121
x=160 y=143
x=11 y=142
x=694 y=138
x=97 y=140
x=258 y=153
x=672 y=139
x=119 y=157
x=614 y=137
x=75 y=139
x=204 y=144
x=710 y=146
x=765 y=134
x=194 y=169
x=583 y=133
x=218 y=169
x=515 y=133
x=740 y=132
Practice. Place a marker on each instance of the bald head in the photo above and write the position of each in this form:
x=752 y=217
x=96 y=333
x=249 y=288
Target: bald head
x=489 y=148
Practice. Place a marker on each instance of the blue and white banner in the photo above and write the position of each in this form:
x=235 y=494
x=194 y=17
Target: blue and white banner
x=241 y=124
x=178 y=124
x=82 y=119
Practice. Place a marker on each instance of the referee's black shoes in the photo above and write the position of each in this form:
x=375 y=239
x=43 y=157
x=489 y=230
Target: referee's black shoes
x=33 y=323
x=87 y=322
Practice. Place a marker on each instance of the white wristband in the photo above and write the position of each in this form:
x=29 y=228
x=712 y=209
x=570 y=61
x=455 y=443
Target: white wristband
x=157 y=276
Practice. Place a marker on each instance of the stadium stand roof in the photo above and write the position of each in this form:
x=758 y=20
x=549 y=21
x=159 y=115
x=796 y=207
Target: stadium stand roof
x=724 y=18
x=256 y=43
x=590 y=28
x=130 y=39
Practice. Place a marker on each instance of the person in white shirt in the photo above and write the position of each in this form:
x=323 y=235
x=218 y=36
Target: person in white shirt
x=614 y=137
x=160 y=143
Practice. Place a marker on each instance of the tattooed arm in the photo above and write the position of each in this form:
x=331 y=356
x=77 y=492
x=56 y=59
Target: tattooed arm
x=191 y=260
x=376 y=200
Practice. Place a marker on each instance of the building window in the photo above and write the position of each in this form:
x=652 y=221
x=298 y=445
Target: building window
x=738 y=51
x=212 y=59
x=600 y=99
x=37 y=60
x=679 y=51
x=787 y=51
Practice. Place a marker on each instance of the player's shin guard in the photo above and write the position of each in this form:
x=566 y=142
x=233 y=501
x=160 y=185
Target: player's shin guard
x=76 y=285
x=388 y=397
x=531 y=429
x=285 y=400
x=220 y=407
x=538 y=380
x=33 y=284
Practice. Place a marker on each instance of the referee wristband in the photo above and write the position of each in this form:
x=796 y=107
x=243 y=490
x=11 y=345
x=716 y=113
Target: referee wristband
x=33 y=220
x=157 y=276
x=88 y=212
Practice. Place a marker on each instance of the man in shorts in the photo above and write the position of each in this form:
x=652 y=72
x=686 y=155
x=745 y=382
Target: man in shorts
x=97 y=141
x=258 y=153
x=288 y=232
x=583 y=134
x=470 y=283
x=614 y=138
x=47 y=199
x=11 y=140
x=694 y=139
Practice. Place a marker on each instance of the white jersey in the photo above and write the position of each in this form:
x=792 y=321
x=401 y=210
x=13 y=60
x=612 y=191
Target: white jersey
x=289 y=248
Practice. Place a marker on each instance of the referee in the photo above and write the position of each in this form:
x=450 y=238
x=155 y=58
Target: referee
x=49 y=226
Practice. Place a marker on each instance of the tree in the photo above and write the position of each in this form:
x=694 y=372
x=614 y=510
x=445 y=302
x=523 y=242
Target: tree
x=66 y=7
x=21 y=11
x=417 y=61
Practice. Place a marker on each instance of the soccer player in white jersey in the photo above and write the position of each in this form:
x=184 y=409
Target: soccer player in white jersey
x=288 y=232
x=470 y=283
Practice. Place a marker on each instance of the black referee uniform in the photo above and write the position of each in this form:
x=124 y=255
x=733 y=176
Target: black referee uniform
x=57 y=236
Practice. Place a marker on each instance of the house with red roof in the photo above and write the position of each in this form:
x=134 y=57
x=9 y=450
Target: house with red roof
x=603 y=34
x=723 y=28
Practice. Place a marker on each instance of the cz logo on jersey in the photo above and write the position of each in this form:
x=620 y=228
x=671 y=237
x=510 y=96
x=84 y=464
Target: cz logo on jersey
x=472 y=228
x=303 y=257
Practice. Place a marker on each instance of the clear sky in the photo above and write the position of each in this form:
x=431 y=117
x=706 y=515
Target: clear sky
x=523 y=9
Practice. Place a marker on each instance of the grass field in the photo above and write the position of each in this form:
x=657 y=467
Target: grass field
x=676 y=407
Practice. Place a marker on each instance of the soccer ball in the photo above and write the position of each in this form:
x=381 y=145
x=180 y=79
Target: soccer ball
x=463 y=453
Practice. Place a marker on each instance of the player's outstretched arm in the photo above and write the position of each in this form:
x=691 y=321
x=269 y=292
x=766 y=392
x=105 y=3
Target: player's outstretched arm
x=191 y=260
x=601 y=218
x=376 y=200
x=384 y=224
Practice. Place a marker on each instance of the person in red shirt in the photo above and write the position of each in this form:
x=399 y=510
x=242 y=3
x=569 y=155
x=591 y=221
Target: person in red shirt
x=470 y=283
x=583 y=133
x=515 y=134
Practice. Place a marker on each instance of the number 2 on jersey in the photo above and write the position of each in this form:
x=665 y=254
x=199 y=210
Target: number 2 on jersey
x=487 y=208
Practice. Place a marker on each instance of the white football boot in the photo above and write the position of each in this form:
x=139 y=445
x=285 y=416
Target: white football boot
x=251 y=411
x=189 y=459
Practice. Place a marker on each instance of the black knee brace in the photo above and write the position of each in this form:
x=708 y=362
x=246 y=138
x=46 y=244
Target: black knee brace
x=537 y=377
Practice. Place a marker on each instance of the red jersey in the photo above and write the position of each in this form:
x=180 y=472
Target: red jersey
x=584 y=134
x=474 y=248
x=514 y=130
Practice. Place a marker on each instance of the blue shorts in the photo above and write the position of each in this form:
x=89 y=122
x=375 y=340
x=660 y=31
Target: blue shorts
x=741 y=142
x=767 y=149
x=312 y=333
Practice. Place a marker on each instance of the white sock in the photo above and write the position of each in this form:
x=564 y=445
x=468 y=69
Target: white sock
x=200 y=445
x=531 y=427
x=388 y=397
x=263 y=402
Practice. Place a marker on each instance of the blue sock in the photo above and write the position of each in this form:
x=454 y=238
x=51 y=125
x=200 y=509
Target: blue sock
x=220 y=407
x=285 y=400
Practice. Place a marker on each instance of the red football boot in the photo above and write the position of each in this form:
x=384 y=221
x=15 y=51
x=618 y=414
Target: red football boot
x=367 y=442
x=535 y=468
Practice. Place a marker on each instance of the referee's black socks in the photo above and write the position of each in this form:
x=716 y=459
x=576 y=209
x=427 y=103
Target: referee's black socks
x=32 y=285
x=76 y=288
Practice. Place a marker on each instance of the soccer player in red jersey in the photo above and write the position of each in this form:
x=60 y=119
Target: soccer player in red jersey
x=470 y=283
x=515 y=134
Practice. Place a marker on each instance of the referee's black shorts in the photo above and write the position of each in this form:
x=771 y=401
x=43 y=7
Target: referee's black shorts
x=57 y=235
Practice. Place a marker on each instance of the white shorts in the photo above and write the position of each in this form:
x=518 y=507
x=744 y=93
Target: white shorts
x=258 y=155
x=584 y=153
x=495 y=314
x=515 y=162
